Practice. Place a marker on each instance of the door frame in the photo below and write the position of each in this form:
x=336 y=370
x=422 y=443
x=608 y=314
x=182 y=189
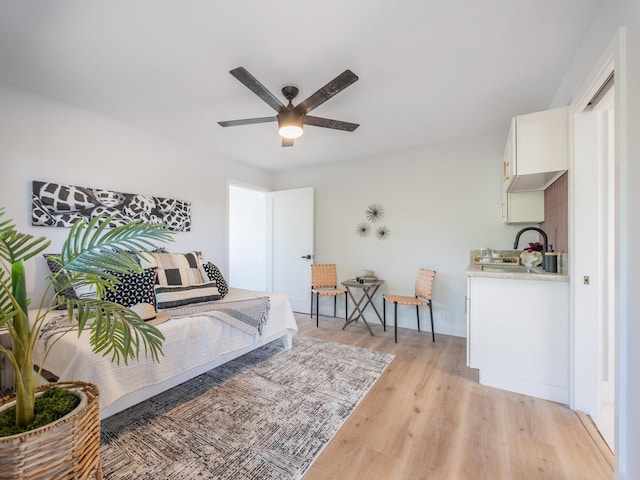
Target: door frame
x=612 y=61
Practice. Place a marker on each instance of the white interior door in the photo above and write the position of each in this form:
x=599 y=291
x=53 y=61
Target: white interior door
x=290 y=218
x=593 y=272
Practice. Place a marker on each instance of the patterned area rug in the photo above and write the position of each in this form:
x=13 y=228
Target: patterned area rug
x=265 y=415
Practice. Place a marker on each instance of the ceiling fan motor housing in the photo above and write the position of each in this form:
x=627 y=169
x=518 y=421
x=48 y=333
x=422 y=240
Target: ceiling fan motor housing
x=290 y=92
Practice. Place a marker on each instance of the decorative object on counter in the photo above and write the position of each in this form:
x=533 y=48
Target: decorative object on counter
x=502 y=257
x=374 y=212
x=363 y=229
x=383 y=233
x=61 y=205
x=531 y=259
x=534 y=247
x=550 y=261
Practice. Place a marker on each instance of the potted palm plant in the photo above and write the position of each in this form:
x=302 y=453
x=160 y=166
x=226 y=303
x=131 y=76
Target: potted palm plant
x=91 y=257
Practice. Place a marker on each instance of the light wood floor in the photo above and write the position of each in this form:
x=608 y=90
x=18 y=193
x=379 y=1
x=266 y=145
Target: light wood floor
x=427 y=417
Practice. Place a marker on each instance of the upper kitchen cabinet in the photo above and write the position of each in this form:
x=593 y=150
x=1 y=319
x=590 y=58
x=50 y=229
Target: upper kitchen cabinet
x=537 y=150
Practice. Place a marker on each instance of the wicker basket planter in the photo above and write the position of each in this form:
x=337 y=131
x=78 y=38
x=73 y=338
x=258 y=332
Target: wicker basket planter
x=68 y=448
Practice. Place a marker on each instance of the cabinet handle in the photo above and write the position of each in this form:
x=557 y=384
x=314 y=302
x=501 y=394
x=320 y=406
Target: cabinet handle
x=505 y=177
x=466 y=301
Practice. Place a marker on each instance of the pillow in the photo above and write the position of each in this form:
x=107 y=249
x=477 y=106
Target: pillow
x=214 y=275
x=175 y=268
x=62 y=294
x=135 y=288
x=169 y=296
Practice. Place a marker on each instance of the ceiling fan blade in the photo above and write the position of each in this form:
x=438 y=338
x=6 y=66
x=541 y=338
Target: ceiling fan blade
x=332 y=88
x=328 y=123
x=256 y=87
x=247 y=121
x=287 y=142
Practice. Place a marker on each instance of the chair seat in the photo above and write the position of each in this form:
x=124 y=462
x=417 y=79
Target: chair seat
x=404 y=300
x=328 y=291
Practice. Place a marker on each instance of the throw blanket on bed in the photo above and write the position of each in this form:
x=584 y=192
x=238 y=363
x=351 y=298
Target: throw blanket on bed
x=58 y=324
x=249 y=315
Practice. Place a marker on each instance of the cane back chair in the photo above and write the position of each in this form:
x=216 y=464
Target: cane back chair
x=324 y=283
x=423 y=289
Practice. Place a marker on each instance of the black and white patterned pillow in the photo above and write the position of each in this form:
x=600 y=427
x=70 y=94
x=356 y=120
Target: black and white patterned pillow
x=215 y=275
x=135 y=288
x=62 y=293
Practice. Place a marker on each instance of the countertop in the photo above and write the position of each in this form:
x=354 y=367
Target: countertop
x=540 y=275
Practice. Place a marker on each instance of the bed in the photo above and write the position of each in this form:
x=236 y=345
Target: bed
x=194 y=344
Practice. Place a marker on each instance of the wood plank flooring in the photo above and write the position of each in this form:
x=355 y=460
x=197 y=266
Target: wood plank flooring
x=427 y=417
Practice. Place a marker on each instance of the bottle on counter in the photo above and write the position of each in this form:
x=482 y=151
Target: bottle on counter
x=550 y=261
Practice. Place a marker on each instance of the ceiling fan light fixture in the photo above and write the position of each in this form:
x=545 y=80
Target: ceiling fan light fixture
x=290 y=124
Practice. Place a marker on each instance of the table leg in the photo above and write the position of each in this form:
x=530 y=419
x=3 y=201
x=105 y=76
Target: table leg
x=353 y=318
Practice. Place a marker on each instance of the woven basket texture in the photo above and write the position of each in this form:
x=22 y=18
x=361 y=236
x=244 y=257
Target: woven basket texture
x=67 y=449
x=323 y=276
x=424 y=287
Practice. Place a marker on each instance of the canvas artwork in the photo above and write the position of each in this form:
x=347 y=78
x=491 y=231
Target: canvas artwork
x=57 y=205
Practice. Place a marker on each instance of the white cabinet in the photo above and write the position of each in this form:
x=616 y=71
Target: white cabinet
x=522 y=207
x=537 y=150
x=518 y=335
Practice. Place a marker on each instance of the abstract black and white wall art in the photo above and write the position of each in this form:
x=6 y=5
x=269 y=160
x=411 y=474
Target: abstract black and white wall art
x=57 y=205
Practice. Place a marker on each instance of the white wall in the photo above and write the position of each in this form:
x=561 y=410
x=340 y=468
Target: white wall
x=439 y=203
x=41 y=139
x=247 y=238
x=611 y=16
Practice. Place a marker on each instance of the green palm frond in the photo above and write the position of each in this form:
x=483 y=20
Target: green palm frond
x=116 y=330
x=7 y=310
x=5 y=225
x=91 y=256
x=16 y=246
x=91 y=250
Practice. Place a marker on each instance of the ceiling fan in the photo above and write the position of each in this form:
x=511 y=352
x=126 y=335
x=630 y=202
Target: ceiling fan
x=290 y=119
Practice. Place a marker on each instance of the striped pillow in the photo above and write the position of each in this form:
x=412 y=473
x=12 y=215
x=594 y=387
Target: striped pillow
x=170 y=296
x=175 y=268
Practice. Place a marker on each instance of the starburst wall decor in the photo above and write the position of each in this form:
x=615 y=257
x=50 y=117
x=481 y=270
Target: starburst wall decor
x=382 y=233
x=363 y=229
x=373 y=213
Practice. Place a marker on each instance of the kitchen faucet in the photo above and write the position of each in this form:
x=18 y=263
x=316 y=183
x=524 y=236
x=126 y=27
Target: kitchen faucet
x=544 y=236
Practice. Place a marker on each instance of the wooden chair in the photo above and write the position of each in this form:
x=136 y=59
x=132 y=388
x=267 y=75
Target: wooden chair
x=424 y=286
x=324 y=283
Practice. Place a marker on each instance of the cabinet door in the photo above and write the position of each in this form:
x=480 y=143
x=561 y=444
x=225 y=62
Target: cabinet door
x=542 y=142
x=520 y=329
x=522 y=207
x=509 y=158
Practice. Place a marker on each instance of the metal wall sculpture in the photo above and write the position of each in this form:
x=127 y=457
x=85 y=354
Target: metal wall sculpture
x=57 y=205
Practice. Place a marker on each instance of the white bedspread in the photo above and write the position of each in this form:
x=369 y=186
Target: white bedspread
x=189 y=342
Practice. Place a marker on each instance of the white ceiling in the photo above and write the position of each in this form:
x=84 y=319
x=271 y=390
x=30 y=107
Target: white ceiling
x=429 y=71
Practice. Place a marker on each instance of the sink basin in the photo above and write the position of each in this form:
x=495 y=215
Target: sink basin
x=507 y=269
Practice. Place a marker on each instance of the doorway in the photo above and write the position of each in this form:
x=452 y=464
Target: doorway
x=271 y=241
x=247 y=238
